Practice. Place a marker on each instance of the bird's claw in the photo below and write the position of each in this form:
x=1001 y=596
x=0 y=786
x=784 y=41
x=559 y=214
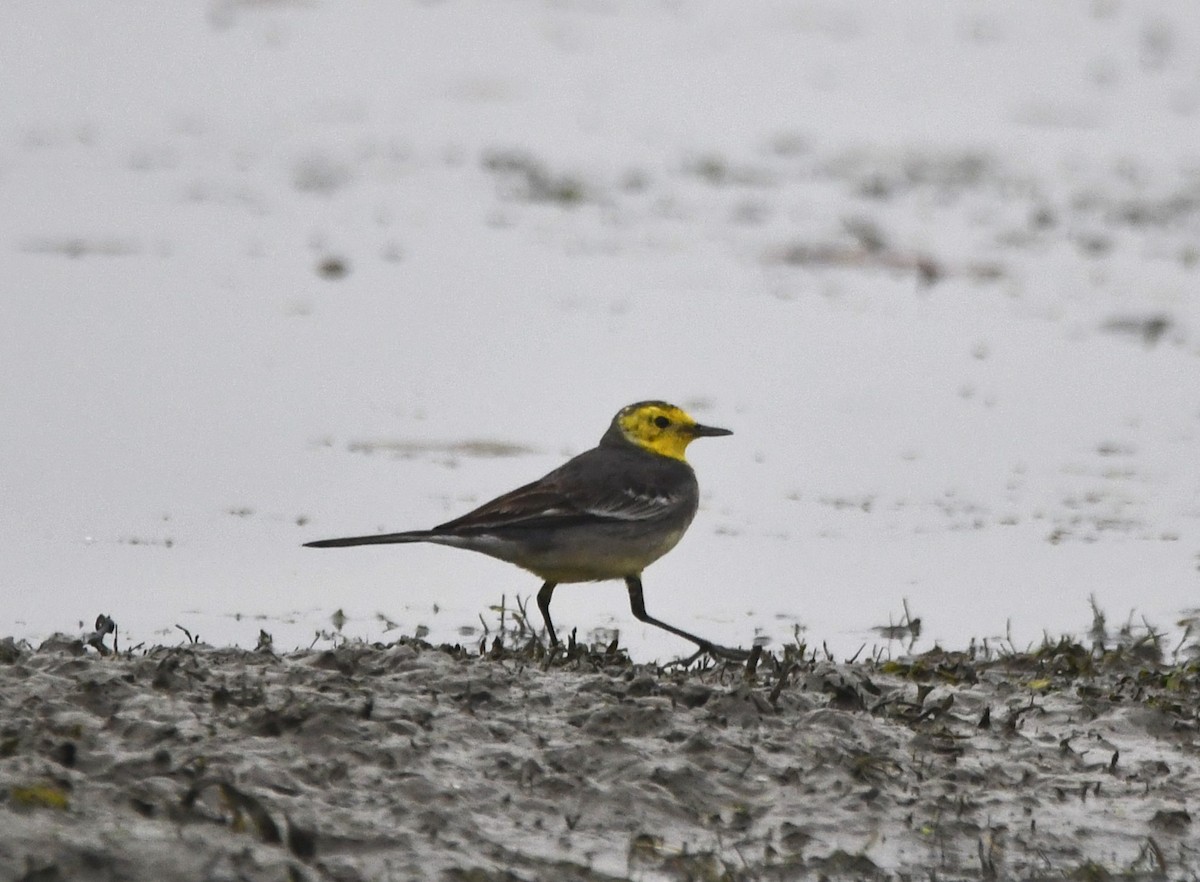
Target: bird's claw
x=721 y=653
x=726 y=653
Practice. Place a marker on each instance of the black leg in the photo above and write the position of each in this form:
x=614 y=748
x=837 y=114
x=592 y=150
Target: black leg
x=638 y=604
x=544 y=605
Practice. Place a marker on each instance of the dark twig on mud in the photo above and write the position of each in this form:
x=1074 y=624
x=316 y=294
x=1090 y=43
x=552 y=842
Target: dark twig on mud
x=104 y=626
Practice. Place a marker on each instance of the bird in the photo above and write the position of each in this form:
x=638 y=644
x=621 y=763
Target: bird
x=605 y=514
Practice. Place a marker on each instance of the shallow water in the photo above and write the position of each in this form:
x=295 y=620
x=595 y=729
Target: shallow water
x=950 y=319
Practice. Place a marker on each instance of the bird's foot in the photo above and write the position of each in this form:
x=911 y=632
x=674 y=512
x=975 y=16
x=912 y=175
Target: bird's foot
x=715 y=651
x=725 y=653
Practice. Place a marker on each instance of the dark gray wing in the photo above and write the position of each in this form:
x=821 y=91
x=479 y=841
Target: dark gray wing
x=596 y=486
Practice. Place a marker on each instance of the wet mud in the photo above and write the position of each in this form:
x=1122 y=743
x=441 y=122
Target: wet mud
x=407 y=761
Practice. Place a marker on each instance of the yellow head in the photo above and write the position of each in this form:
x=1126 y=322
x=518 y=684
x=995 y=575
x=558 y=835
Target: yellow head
x=658 y=427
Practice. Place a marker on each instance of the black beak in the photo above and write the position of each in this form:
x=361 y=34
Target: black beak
x=699 y=431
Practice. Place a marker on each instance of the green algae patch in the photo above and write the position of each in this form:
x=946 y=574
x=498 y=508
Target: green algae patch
x=45 y=796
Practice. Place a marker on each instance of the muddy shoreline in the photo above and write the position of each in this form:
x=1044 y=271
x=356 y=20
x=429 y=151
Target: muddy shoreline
x=406 y=761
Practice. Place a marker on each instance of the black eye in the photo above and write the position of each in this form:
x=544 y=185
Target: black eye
x=662 y=422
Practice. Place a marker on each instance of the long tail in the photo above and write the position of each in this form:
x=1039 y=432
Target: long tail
x=381 y=539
